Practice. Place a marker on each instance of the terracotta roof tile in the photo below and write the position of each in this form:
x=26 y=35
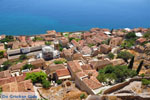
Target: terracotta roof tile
x=75 y=66
x=91 y=83
x=80 y=74
x=62 y=72
x=86 y=67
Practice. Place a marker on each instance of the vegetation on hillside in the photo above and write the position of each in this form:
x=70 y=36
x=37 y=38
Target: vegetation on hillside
x=6 y=65
x=37 y=39
x=147 y=34
x=27 y=66
x=111 y=55
x=125 y=55
x=129 y=41
x=8 y=38
x=110 y=74
x=145 y=82
x=60 y=61
x=38 y=77
x=1 y=54
x=48 y=43
x=23 y=57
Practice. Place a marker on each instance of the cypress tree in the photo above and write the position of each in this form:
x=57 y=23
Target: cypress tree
x=139 y=67
x=131 y=63
x=111 y=30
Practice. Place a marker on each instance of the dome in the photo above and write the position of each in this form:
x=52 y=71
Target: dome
x=47 y=49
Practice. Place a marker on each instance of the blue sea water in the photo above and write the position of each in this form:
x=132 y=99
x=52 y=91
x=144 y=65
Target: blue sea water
x=28 y=17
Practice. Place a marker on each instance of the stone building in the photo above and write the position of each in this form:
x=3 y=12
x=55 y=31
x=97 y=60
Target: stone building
x=105 y=48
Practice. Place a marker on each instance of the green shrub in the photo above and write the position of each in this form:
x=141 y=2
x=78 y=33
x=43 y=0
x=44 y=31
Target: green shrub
x=45 y=84
x=70 y=39
x=106 y=42
x=1 y=54
x=59 y=82
x=117 y=73
x=27 y=66
x=8 y=38
x=60 y=47
x=90 y=45
x=47 y=43
x=6 y=65
x=130 y=35
x=23 y=57
x=36 y=77
x=145 y=82
x=125 y=55
x=147 y=34
x=58 y=62
x=1 y=90
x=37 y=39
x=142 y=75
x=82 y=96
x=111 y=56
x=128 y=43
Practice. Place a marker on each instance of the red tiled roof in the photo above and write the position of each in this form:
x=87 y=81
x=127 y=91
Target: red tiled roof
x=12 y=79
x=75 y=66
x=24 y=86
x=75 y=43
x=86 y=67
x=62 y=72
x=94 y=72
x=141 y=40
x=80 y=74
x=5 y=74
x=91 y=83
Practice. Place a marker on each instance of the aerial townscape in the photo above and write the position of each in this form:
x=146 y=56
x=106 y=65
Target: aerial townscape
x=99 y=64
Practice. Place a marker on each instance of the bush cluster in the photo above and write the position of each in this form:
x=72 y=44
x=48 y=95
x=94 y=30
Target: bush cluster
x=115 y=73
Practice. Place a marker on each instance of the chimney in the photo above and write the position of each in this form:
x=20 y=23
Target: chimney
x=89 y=75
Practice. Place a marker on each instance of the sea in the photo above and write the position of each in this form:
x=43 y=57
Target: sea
x=30 y=17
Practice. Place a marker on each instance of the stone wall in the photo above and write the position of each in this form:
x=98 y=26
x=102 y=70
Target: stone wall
x=121 y=85
x=82 y=86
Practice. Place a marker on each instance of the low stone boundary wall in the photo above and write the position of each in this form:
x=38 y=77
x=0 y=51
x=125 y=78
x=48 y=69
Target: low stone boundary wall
x=121 y=85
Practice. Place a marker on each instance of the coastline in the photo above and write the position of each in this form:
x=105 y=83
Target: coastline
x=77 y=31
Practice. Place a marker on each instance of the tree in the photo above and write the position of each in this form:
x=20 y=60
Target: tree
x=1 y=54
x=60 y=47
x=6 y=65
x=61 y=61
x=27 y=66
x=145 y=82
x=90 y=45
x=139 y=67
x=131 y=63
x=71 y=38
x=142 y=75
x=128 y=43
x=8 y=38
x=106 y=42
x=1 y=90
x=37 y=39
x=59 y=82
x=82 y=96
x=58 y=62
x=147 y=34
x=111 y=30
x=130 y=35
x=115 y=73
x=48 y=43
x=125 y=55
x=23 y=57
x=45 y=84
x=111 y=56
x=36 y=77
